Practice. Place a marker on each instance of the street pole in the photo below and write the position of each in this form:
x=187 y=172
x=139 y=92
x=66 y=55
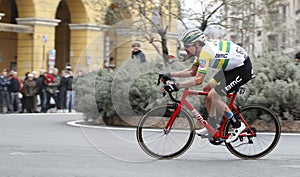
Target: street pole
x=44 y=57
x=44 y=40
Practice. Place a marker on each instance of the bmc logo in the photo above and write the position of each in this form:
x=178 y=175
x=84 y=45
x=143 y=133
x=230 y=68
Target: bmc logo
x=233 y=83
x=199 y=117
x=221 y=55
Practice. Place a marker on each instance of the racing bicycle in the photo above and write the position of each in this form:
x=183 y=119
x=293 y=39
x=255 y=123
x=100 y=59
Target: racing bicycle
x=168 y=131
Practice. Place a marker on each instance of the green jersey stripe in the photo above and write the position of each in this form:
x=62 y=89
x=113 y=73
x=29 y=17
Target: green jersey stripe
x=225 y=63
x=216 y=64
x=228 y=47
x=220 y=45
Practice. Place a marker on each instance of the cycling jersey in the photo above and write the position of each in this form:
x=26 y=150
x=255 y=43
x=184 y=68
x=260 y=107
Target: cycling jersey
x=224 y=55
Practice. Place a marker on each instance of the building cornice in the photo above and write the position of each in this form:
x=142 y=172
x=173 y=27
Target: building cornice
x=86 y=26
x=7 y=27
x=38 y=21
x=134 y=32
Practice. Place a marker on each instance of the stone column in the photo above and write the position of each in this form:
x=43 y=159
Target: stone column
x=33 y=48
x=87 y=46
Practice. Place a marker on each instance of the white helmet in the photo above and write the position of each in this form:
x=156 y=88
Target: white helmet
x=192 y=35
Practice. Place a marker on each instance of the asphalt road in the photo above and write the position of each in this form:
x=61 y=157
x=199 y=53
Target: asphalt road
x=44 y=145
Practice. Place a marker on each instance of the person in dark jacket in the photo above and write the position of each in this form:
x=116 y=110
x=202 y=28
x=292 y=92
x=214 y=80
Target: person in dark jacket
x=15 y=90
x=137 y=53
x=35 y=98
x=62 y=94
x=5 y=95
x=70 y=103
x=41 y=89
x=23 y=99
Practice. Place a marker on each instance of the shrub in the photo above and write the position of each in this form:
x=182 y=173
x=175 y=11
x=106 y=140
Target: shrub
x=276 y=85
x=85 y=95
x=130 y=90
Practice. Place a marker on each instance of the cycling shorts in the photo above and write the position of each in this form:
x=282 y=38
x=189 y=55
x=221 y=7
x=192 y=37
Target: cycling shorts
x=229 y=81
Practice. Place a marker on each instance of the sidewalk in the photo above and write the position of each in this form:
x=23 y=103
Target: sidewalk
x=76 y=116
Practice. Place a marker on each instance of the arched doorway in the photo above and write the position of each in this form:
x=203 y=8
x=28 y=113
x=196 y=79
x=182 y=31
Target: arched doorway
x=8 y=39
x=62 y=36
x=116 y=13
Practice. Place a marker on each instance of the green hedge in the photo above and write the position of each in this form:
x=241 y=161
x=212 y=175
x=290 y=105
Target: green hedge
x=129 y=90
x=276 y=85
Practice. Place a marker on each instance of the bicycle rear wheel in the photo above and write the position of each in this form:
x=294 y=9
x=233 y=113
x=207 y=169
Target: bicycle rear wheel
x=161 y=144
x=267 y=128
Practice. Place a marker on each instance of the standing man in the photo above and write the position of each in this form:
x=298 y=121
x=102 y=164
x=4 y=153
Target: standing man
x=70 y=102
x=41 y=89
x=5 y=95
x=137 y=53
x=15 y=90
x=62 y=92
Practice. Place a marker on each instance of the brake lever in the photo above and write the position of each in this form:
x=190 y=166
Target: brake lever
x=158 y=80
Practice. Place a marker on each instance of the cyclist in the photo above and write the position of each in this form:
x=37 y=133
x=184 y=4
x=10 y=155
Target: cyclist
x=235 y=70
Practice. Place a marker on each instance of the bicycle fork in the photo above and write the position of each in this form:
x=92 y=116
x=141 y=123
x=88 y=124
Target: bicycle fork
x=172 y=118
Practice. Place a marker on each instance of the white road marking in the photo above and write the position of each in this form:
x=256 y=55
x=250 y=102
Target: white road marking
x=77 y=124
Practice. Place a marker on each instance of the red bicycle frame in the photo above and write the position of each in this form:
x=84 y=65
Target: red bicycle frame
x=199 y=117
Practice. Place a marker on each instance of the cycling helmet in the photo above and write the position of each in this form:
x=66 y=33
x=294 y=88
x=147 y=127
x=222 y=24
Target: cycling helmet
x=192 y=35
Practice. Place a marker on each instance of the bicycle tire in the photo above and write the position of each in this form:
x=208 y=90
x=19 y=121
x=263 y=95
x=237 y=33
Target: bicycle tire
x=267 y=127
x=155 y=142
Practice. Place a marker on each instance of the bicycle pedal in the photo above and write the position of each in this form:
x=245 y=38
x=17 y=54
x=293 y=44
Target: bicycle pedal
x=214 y=141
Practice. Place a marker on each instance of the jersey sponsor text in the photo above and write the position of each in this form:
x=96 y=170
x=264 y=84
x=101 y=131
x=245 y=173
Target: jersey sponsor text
x=233 y=83
x=221 y=55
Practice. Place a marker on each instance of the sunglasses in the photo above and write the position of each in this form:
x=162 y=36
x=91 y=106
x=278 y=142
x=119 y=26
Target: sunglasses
x=188 y=45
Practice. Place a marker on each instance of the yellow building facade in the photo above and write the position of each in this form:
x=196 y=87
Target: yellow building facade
x=38 y=34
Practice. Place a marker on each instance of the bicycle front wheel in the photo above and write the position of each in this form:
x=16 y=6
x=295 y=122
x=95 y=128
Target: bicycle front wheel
x=162 y=144
x=267 y=130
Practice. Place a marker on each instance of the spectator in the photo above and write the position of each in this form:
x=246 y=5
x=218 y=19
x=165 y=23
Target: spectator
x=35 y=76
x=70 y=103
x=52 y=81
x=29 y=91
x=15 y=91
x=5 y=95
x=62 y=94
x=41 y=87
x=137 y=53
x=11 y=73
x=23 y=98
